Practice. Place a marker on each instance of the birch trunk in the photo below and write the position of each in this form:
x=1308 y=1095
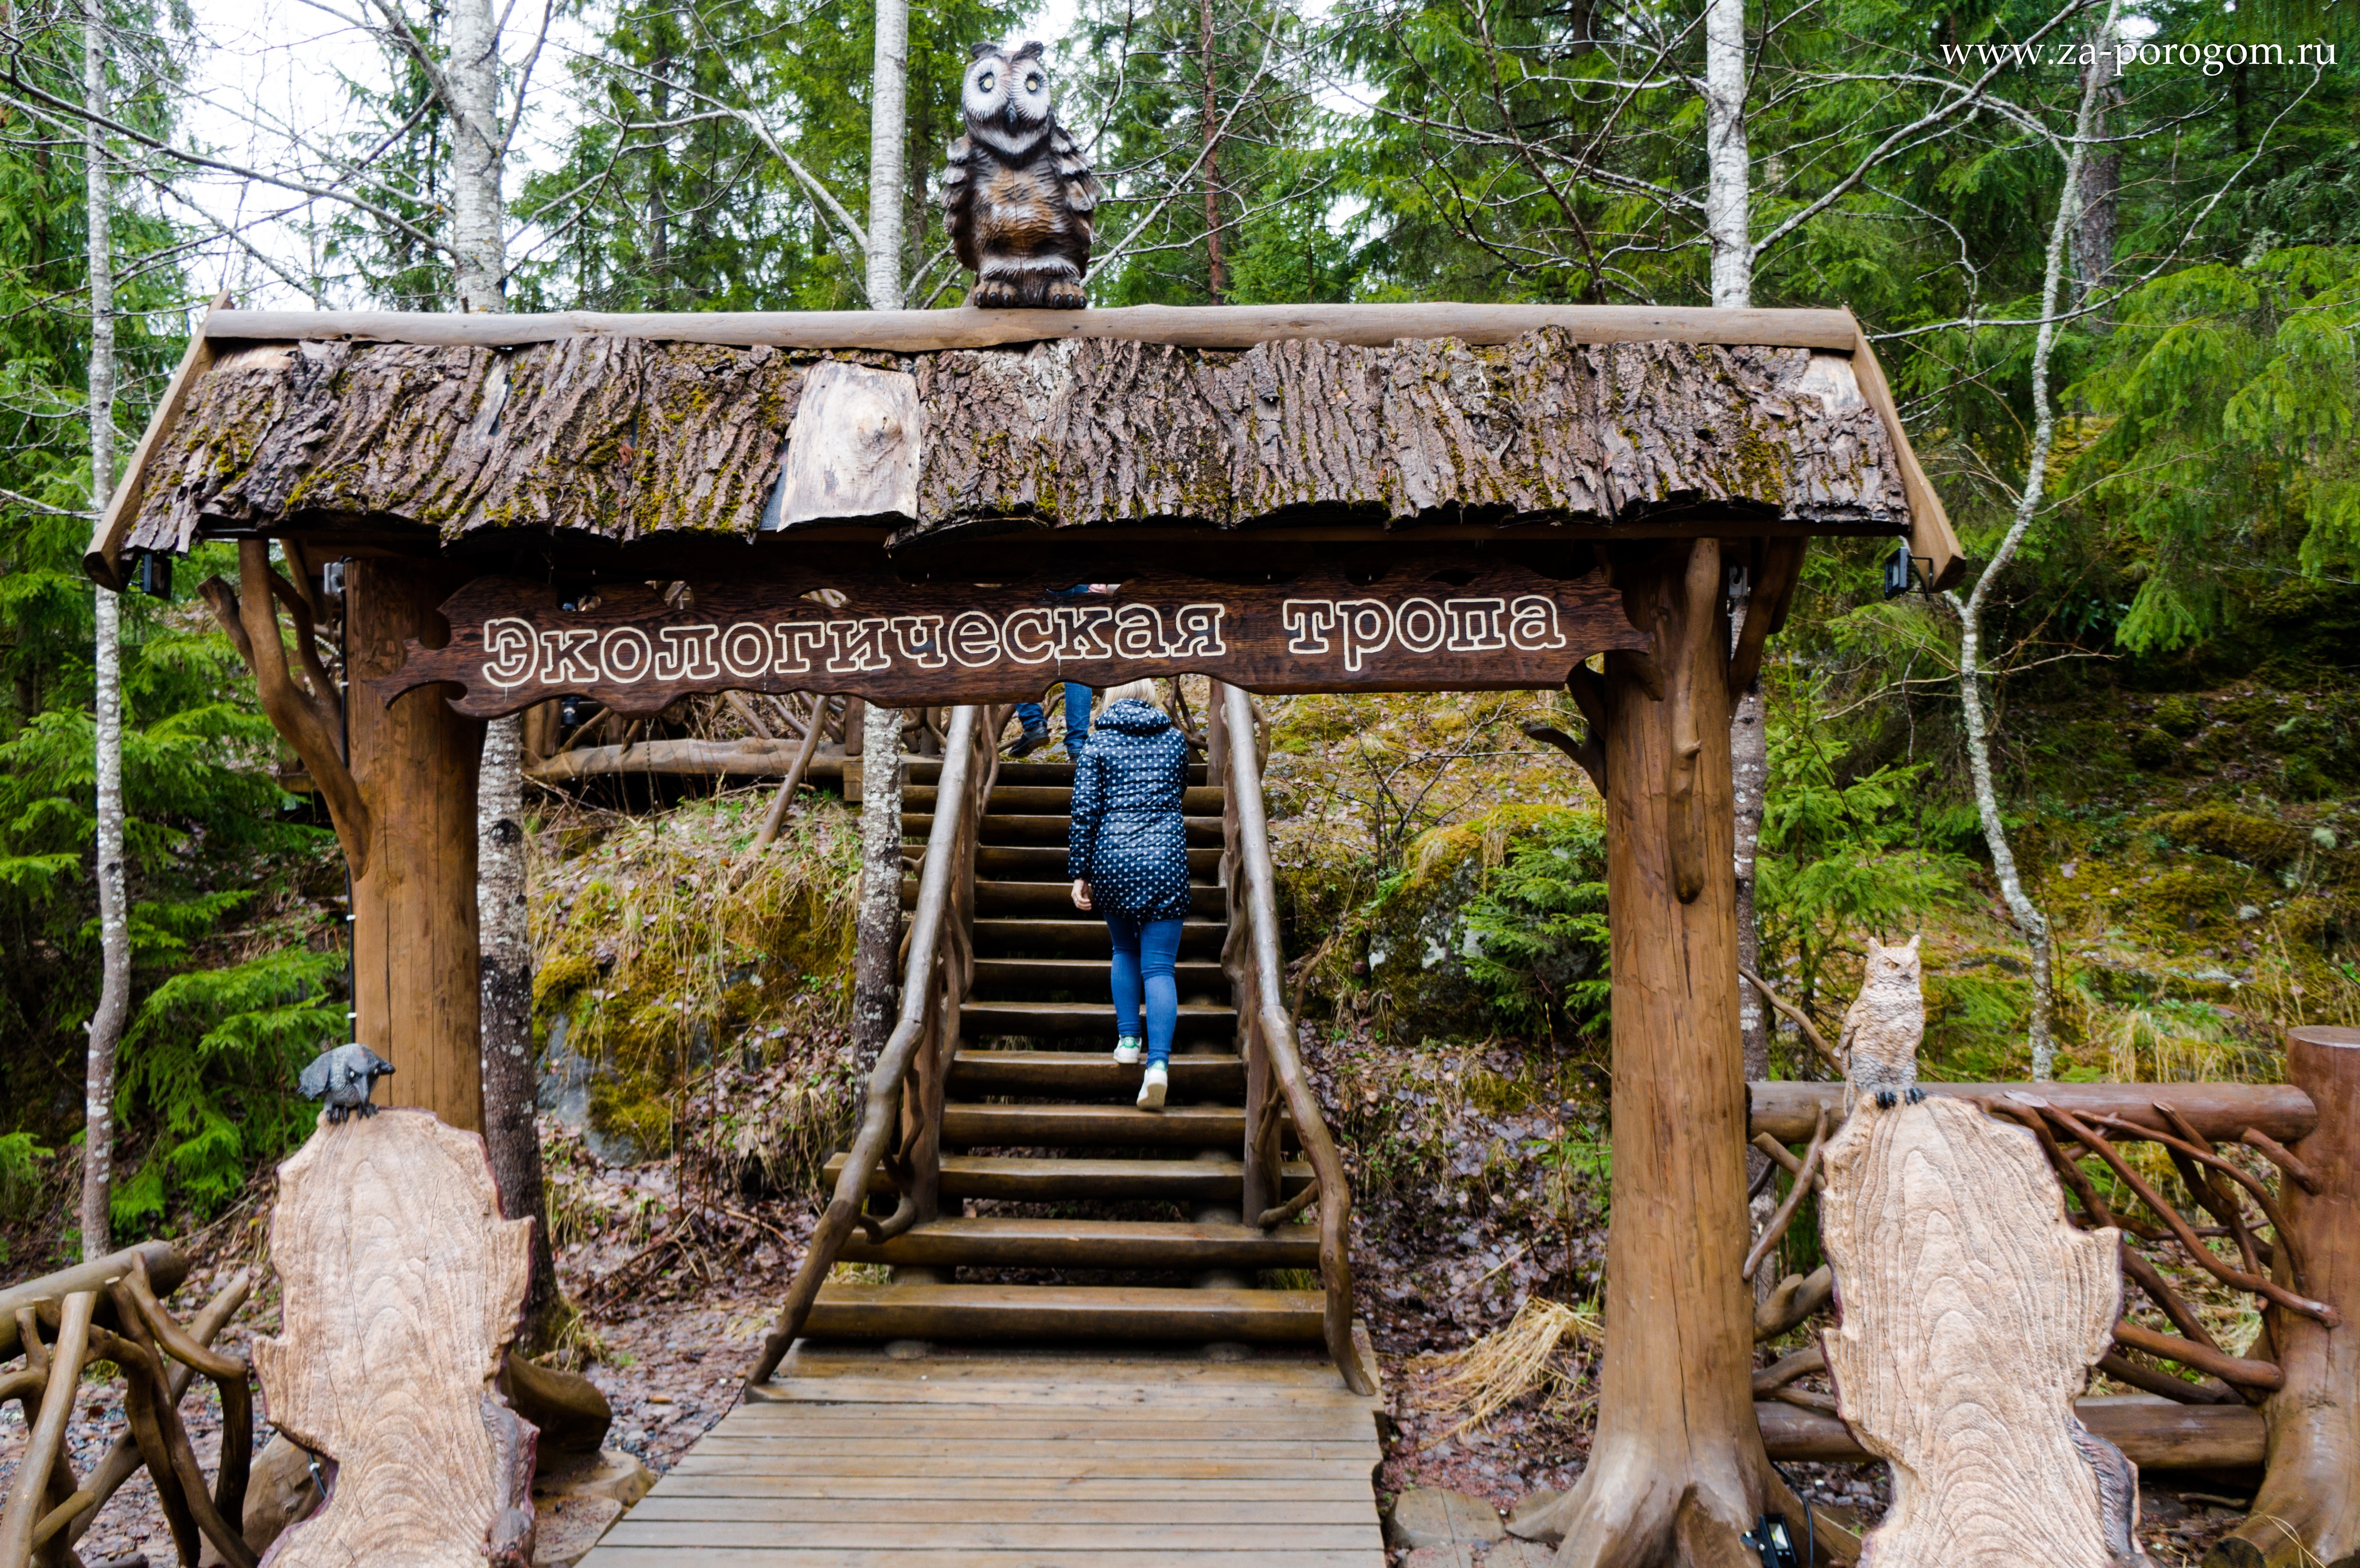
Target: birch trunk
x=877 y=925
x=878 y=928
x=478 y=216
x=1216 y=275
x=888 y=125
x=113 y=925
x=2029 y=918
x=511 y=1089
x=1728 y=222
x=1728 y=215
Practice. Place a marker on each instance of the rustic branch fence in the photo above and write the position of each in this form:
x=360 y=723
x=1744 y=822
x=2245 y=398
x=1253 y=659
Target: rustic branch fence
x=2289 y=1403
x=110 y=1310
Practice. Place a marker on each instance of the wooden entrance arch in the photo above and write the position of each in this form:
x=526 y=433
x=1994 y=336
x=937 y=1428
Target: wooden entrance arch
x=1296 y=498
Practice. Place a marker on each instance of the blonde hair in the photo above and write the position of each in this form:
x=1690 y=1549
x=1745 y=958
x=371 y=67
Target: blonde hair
x=1144 y=690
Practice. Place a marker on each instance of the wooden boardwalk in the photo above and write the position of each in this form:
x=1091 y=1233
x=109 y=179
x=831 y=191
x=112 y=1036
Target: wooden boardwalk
x=1008 y=1461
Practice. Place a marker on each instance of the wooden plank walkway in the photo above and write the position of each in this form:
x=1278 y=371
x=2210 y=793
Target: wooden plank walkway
x=1116 y=1460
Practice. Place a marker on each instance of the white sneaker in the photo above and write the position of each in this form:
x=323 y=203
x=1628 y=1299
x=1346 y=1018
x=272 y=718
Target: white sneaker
x=1151 y=1086
x=1129 y=1050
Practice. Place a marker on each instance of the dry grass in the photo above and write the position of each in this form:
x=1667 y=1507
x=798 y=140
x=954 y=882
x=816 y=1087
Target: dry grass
x=1540 y=1349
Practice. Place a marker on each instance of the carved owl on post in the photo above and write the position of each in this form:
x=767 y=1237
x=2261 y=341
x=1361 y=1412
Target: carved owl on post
x=1018 y=197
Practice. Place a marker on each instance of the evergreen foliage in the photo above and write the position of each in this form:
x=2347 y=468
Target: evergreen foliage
x=1539 y=927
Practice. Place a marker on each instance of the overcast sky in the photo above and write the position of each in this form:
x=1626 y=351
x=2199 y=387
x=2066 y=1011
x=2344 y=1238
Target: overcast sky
x=270 y=76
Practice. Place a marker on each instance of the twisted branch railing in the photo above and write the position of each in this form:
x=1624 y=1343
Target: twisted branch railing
x=2297 y=1256
x=901 y=1124
x=108 y=1310
x=1268 y=1041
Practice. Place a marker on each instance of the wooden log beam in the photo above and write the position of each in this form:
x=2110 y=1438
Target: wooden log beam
x=921 y=332
x=685 y=759
x=415 y=966
x=626 y=438
x=1788 y=1111
x=2309 y=1507
x=167 y=1266
x=1677 y=1449
x=2154 y=1434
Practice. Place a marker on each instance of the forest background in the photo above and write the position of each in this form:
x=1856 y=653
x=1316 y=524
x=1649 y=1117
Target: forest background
x=2142 y=221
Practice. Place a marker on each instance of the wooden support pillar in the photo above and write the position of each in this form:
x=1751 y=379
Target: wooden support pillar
x=416 y=966
x=2308 y=1511
x=1676 y=1469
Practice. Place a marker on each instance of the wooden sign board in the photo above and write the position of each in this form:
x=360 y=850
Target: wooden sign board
x=1438 y=627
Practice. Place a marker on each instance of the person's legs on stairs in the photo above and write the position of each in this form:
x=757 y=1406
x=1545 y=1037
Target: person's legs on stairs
x=1159 y=945
x=1033 y=731
x=1123 y=974
x=1159 y=951
x=1077 y=718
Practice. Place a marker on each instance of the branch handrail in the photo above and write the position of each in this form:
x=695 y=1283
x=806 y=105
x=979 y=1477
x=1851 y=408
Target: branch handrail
x=881 y=1117
x=1259 y=905
x=2079 y=1121
x=108 y=1309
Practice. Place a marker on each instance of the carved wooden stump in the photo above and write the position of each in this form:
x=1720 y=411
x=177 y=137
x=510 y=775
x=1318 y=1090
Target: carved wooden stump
x=1972 y=1312
x=401 y=1285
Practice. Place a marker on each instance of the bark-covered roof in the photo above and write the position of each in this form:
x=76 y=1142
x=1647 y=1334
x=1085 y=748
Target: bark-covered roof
x=621 y=437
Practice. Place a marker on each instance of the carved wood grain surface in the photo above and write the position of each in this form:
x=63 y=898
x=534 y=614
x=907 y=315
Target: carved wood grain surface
x=853 y=450
x=401 y=1286
x=1423 y=626
x=1971 y=1311
x=624 y=437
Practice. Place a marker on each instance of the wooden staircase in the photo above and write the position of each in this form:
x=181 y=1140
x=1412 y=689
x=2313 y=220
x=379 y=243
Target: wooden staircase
x=1065 y=1211
x=1000 y=1171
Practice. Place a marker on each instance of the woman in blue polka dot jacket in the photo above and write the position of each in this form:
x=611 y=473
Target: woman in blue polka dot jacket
x=1127 y=852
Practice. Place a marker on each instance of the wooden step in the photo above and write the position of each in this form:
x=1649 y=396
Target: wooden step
x=1097 y=1126
x=1064 y=1312
x=981 y=1021
x=1012 y=771
x=997 y=829
x=1050 y=800
x=1084 y=977
x=1058 y=897
x=1056 y=1181
x=1090 y=1075
x=1026 y=800
x=929 y=770
x=1046 y=863
x=995 y=1243
x=1082 y=934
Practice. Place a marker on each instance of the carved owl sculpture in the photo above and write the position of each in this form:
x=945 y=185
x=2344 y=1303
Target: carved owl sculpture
x=1884 y=1024
x=1018 y=198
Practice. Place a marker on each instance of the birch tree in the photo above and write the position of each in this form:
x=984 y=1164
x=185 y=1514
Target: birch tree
x=2030 y=921
x=1728 y=225
x=114 y=920
x=469 y=86
x=879 y=922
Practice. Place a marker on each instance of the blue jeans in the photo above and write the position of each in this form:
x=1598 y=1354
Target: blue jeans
x=1143 y=955
x=1078 y=715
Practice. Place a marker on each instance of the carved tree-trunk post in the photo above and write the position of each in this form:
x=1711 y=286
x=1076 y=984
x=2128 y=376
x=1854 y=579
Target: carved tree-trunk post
x=1676 y=1469
x=416 y=969
x=2309 y=1507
